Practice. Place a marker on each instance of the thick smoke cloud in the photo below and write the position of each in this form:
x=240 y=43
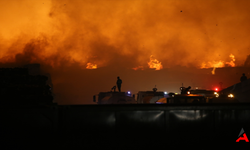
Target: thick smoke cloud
x=64 y=35
x=191 y=32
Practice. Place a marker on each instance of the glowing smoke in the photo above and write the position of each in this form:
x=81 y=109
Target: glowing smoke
x=82 y=31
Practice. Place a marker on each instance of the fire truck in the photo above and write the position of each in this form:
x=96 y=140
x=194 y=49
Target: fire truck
x=147 y=97
x=114 y=97
x=184 y=97
x=198 y=96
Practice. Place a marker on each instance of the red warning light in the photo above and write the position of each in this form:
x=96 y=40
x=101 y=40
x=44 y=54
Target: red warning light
x=216 y=89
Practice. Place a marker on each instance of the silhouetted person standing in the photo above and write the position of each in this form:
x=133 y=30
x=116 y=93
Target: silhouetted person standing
x=119 y=83
x=243 y=78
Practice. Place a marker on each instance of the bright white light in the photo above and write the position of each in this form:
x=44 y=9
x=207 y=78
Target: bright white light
x=215 y=93
x=165 y=93
x=128 y=92
x=231 y=95
x=188 y=92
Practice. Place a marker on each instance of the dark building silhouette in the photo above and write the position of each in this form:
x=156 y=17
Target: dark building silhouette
x=240 y=91
x=17 y=86
x=33 y=69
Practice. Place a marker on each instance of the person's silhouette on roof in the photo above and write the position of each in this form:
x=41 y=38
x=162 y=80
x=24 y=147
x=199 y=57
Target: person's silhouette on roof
x=119 y=83
x=113 y=88
x=243 y=77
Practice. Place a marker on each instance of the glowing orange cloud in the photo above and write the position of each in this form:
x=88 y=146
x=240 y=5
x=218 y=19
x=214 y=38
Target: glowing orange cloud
x=65 y=32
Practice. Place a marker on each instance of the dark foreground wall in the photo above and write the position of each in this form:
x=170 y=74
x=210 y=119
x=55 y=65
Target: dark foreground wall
x=124 y=126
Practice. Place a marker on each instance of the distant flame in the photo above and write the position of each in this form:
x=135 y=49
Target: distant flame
x=219 y=64
x=231 y=63
x=216 y=64
x=154 y=63
x=91 y=66
x=137 y=68
x=213 y=71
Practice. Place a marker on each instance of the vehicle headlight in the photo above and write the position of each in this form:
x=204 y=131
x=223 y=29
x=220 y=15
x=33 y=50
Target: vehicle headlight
x=231 y=95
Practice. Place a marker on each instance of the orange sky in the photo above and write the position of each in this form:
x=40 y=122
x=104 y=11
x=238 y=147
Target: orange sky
x=99 y=32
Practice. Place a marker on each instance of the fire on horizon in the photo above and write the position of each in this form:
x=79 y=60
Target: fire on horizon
x=86 y=44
